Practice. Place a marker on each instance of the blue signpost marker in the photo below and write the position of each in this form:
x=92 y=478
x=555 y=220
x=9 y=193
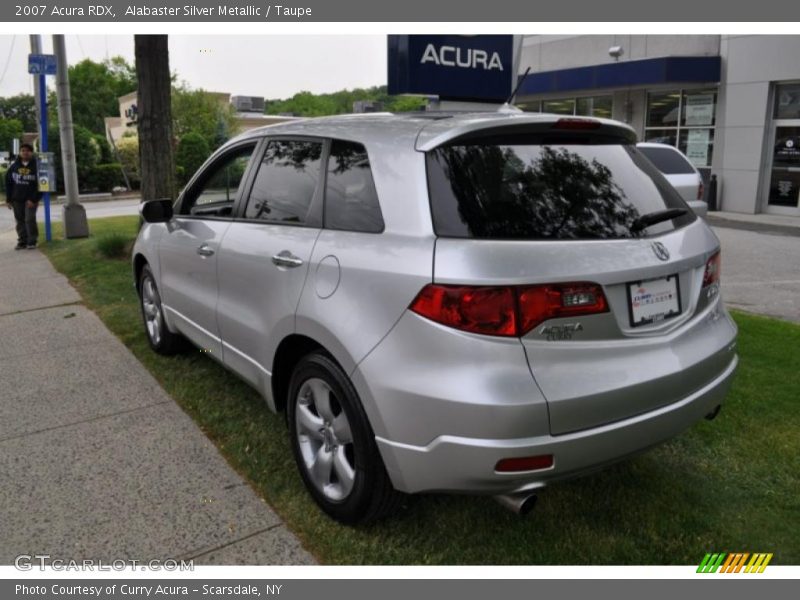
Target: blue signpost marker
x=43 y=65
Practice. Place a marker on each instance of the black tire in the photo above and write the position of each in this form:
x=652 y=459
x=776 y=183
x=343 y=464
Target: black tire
x=372 y=495
x=165 y=342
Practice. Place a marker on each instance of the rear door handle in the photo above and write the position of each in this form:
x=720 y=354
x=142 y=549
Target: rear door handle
x=205 y=250
x=285 y=258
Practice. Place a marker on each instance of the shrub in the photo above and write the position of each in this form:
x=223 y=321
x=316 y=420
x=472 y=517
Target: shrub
x=104 y=178
x=128 y=152
x=192 y=152
x=112 y=245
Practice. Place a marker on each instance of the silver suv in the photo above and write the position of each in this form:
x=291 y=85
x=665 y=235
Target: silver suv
x=479 y=303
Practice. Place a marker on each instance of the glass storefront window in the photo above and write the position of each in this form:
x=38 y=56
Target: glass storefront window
x=697 y=145
x=698 y=108
x=532 y=106
x=684 y=119
x=589 y=106
x=663 y=109
x=594 y=106
x=787 y=101
x=564 y=106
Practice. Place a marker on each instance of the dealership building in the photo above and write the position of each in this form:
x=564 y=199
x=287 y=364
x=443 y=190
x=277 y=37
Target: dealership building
x=730 y=103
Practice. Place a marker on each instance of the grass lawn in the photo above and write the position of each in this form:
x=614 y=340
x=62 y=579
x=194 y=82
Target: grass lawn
x=727 y=485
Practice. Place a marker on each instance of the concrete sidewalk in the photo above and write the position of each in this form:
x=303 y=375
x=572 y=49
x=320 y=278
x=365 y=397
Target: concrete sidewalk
x=96 y=460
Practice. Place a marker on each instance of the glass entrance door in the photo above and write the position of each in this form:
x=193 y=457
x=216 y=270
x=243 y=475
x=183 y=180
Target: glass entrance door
x=784 y=187
x=783 y=154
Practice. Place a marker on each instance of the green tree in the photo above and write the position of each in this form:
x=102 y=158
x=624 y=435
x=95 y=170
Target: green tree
x=204 y=113
x=106 y=155
x=307 y=104
x=95 y=88
x=87 y=153
x=21 y=107
x=9 y=130
x=192 y=151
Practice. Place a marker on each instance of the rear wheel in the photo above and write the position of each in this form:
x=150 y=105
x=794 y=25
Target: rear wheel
x=334 y=445
x=161 y=339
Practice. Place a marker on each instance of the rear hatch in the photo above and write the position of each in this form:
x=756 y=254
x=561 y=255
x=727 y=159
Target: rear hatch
x=606 y=261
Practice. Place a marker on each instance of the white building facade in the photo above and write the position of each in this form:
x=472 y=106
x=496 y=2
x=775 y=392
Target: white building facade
x=730 y=103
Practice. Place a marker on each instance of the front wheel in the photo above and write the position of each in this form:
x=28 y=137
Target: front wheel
x=161 y=339
x=334 y=445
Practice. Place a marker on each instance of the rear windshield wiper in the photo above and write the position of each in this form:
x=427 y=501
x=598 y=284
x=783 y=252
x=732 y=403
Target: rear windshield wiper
x=658 y=216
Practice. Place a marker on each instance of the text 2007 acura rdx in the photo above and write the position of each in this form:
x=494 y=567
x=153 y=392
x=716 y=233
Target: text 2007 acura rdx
x=480 y=303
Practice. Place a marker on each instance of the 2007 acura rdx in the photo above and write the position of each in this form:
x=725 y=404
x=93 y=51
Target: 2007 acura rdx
x=478 y=303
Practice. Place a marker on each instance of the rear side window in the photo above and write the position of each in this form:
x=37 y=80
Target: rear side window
x=286 y=182
x=351 y=202
x=546 y=192
x=667 y=160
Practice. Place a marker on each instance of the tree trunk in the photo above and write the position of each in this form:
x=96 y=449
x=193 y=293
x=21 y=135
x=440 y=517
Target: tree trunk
x=154 y=117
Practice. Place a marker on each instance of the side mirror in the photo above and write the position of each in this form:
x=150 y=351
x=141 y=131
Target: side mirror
x=156 y=211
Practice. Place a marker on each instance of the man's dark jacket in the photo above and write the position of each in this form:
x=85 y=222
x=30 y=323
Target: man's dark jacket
x=22 y=182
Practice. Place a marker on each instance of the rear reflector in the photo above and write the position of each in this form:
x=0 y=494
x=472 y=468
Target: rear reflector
x=524 y=463
x=572 y=124
x=713 y=267
x=509 y=311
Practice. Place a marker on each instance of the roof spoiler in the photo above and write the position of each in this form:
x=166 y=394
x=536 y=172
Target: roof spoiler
x=528 y=128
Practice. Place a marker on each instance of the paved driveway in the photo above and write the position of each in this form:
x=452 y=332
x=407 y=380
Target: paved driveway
x=761 y=272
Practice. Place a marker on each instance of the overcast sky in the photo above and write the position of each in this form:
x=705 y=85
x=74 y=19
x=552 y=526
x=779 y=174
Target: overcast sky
x=272 y=66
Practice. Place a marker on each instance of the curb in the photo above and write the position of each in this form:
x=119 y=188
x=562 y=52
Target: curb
x=753 y=226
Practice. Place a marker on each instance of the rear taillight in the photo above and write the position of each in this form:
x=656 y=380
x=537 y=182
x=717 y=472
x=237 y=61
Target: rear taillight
x=712 y=272
x=509 y=311
x=488 y=310
x=539 y=303
x=701 y=190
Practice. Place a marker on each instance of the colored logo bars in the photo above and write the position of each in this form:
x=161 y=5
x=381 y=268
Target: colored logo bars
x=734 y=562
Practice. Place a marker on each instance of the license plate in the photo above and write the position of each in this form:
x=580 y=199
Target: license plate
x=653 y=300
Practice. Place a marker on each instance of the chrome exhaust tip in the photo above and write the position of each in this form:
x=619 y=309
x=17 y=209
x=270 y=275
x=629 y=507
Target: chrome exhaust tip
x=521 y=503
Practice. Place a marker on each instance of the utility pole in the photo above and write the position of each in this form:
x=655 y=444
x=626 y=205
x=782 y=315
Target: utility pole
x=73 y=213
x=36 y=48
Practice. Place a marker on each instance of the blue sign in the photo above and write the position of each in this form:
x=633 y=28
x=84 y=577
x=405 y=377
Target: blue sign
x=453 y=67
x=42 y=64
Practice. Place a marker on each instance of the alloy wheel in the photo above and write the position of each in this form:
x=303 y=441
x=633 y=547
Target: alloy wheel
x=325 y=440
x=151 y=307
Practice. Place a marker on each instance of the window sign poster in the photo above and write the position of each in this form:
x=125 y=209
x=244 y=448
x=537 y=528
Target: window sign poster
x=699 y=109
x=697 y=147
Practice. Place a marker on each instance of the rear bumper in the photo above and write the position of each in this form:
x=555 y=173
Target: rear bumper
x=461 y=464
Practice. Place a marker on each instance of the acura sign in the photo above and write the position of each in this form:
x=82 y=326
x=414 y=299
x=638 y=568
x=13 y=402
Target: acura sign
x=453 y=67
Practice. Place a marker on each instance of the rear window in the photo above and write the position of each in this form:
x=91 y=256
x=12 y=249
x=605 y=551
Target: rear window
x=667 y=160
x=548 y=192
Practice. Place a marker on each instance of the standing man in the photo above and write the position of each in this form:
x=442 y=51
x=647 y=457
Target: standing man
x=22 y=195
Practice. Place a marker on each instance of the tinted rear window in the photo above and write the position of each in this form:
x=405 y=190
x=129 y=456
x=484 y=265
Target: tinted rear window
x=667 y=161
x=518 y=191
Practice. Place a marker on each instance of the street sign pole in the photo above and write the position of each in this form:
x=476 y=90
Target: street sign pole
x=48 y=233
x=40 y=65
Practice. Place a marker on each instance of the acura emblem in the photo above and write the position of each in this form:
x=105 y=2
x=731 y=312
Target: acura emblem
x=660 y=250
